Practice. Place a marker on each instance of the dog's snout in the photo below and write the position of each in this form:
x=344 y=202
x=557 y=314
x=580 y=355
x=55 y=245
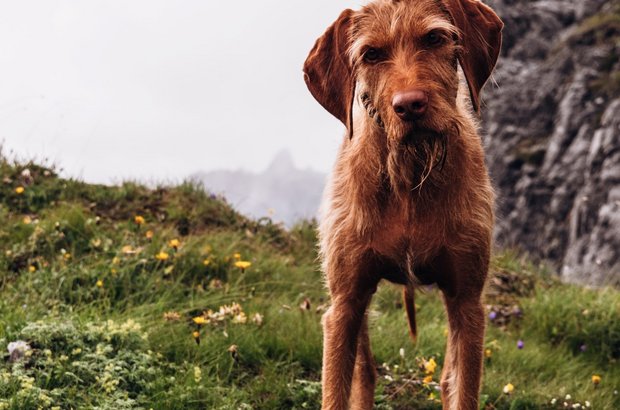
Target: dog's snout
x=410 y=104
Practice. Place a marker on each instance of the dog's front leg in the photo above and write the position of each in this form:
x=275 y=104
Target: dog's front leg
x=341 y=335
x=364 y=374
x=460 y=381
x=464 y=358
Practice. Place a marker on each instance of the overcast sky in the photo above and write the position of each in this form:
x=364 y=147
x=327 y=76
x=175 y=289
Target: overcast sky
x=156 y=90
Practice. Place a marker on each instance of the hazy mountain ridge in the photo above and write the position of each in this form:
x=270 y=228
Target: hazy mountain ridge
x=282 y=191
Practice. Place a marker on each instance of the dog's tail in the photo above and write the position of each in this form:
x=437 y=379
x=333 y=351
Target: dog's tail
x=408 y=301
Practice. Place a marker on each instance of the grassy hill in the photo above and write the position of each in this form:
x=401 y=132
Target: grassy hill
x=128 y=297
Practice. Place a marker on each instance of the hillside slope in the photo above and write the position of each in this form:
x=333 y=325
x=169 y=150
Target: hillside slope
x=129 y=298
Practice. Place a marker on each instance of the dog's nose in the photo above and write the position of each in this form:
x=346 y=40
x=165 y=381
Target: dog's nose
x=410 y=104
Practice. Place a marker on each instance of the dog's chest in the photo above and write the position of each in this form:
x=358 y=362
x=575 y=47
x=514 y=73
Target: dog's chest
x=403 y=233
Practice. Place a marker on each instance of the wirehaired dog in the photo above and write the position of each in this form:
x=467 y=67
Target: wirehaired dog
x=409 y=198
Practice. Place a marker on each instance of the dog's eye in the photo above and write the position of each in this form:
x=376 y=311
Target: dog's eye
x=434 y=39
x=373 y=55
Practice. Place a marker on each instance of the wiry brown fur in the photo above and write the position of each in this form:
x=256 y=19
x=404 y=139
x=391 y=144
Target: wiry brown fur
x=408 y=201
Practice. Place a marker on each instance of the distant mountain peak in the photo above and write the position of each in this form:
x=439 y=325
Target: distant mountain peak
x=282 y=162
x=291 y=192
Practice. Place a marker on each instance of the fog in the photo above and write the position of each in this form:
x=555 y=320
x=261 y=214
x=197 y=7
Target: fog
x=157 y=90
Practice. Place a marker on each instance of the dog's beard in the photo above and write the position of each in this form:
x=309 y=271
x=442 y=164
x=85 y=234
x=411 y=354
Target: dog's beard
x=414 y=160
x=414 y=151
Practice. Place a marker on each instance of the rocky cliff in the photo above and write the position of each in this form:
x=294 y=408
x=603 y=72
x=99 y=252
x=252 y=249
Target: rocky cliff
x=553 y=126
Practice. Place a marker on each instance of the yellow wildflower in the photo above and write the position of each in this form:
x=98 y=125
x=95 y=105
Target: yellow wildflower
x=32 y=268
x=596 y=379
x=243 y=265
x=67 y=256
x=27 y=220
x=196 y=334
x=162 y=256
x=197 y=374
x=20 y=190
x=488 y=353
x=148 y=235
x=174 y=243
x=200 y=320
x=139 y=220
x=237 y=256
x=128 y=249
x=428 y=379
x=430 y=366
x=509 y=388
x=206 y=262
x=99 y=283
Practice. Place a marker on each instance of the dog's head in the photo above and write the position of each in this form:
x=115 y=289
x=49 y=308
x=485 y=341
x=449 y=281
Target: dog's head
x=399 y=59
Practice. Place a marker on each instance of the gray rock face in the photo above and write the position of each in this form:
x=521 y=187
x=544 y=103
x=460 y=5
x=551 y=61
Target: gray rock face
x=553 y=128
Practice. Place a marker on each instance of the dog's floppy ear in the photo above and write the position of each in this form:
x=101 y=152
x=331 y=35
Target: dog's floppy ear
x=328 y=72
x=481 y=40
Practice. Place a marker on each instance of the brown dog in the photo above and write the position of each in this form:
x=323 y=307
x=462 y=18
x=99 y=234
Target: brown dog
x=409 y=199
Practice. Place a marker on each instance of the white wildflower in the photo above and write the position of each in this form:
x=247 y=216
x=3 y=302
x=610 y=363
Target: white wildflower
x=18 y=349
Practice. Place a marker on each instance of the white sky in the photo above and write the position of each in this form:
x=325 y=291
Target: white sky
x=156 y=90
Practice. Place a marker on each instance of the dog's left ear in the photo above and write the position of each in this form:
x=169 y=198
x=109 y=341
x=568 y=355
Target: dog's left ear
x=481 y=40
x=328 y=72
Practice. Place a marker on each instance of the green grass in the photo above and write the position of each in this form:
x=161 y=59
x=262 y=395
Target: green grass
x=109 y=346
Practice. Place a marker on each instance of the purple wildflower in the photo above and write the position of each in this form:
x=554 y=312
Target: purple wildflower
x=520 y=344
x=492 y=315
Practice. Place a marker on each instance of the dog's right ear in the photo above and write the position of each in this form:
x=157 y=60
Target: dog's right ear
x=328 y=72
